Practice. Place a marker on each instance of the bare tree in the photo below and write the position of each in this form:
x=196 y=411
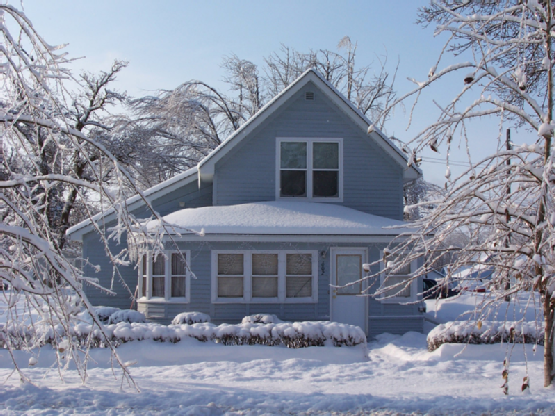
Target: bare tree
x=370 y=91
x=419 y=198
x=504 y=202
x=52 y=159
x=285 y=66
x=183 y=125
x=86 y=112
x=243 y=79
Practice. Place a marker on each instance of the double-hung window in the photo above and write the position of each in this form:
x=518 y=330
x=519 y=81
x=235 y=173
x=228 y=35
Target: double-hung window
x=230 y=275
x=309 y=168
x=298 y=275
x=400 y=286
x=165 y=277
x=264 y=276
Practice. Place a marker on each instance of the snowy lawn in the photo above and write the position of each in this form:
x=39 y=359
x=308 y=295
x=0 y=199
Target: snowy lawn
x=396 y=375
x=399 y=375
x=461 y=308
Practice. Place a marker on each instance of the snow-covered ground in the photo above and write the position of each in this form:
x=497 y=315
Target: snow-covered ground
x=394 y=375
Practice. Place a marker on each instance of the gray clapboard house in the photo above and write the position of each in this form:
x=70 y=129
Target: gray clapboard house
x=294 y=202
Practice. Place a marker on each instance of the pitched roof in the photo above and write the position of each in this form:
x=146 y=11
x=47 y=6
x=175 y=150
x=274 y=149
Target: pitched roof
x=134 y=202
x=207 y=164
x=205 y=168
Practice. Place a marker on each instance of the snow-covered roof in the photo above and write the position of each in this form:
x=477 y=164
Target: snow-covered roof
x=280 y=218
x=135 y=201
x=474 y=271
x=207 y=165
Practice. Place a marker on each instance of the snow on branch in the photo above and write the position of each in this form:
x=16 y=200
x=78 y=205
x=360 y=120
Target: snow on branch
x=496 y=221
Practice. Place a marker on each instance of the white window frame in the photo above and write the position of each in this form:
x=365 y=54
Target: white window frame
x=309 y=169
x=247 y=277
x=167 y=278
x=413 y=287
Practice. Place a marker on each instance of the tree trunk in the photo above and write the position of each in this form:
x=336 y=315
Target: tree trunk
x=548 y=341
x=547 y=306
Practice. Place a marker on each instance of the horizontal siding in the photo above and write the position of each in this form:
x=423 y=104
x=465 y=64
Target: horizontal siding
x=395 y=326
x=94 y=253
x=233 y=313
x=372 y=181
x=189 y=195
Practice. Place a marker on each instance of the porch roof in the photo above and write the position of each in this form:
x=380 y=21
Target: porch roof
x=281 y=218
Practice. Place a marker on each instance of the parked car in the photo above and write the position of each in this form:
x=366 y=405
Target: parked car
x=434 y=290
x=472 y=285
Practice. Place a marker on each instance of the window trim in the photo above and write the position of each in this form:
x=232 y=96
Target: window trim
x=167 y=278
x=413 y=286
x=247 y=277
x=309 y=169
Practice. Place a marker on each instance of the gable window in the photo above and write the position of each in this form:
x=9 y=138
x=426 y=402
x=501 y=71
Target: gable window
x=309 y=168
x=397 y=279
x=165 y=277
x=264 y=276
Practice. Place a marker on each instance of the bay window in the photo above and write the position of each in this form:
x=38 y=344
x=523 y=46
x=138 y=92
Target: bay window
x=158 y=276
x=178 y=276
x=165 y=277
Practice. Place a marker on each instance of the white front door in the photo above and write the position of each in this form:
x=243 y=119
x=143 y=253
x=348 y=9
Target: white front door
x=348 y=303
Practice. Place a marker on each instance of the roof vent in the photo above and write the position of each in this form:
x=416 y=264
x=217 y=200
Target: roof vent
x=309 y=95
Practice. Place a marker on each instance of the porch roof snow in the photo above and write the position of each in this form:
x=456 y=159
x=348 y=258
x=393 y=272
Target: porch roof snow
x=280 y=217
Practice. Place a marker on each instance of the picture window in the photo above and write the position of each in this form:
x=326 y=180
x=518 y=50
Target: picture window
x=264 y=276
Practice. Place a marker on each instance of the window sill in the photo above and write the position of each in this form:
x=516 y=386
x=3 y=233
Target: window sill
x=399 y=301
x=309 y=199
x=163 y=300
x=264 y=301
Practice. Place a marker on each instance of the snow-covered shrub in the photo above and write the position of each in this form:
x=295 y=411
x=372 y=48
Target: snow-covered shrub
x=491 y=332
x=290 y=334
x=190 y=318
x=126 y=315
x=261 y=318
x=104 y=312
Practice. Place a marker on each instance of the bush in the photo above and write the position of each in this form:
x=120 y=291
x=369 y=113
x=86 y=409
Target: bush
x=289 y=334
x=126 y=315
x=190 y=318
x=104 y=313
x=261 y=319
x=491 y=332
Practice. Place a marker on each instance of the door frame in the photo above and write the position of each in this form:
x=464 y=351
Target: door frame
x=348 y=250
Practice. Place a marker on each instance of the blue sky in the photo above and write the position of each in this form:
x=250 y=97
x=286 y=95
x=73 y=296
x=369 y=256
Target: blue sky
x=169 y=42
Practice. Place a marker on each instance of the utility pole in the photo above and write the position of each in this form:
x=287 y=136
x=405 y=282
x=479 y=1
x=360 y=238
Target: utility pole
x=508 y=217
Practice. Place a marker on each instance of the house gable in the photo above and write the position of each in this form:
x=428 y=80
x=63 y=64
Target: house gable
x=371 y=179
x=244 y=170
x=207 y=165
x=375 y=155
